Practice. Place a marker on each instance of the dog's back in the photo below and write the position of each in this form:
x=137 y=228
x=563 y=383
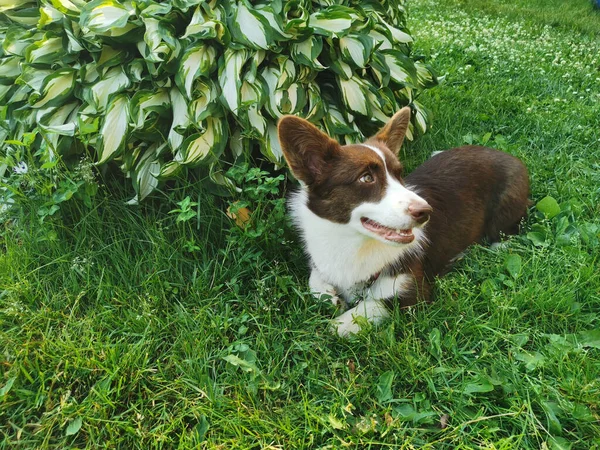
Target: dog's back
x=476 y=194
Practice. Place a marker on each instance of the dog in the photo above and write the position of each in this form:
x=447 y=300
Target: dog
x=379 y=239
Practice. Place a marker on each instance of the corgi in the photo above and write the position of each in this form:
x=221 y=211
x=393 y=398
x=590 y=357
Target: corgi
x=376 y=238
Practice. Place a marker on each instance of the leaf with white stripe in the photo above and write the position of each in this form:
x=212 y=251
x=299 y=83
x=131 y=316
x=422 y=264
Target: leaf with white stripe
x=146 y=102
x=272 y=148
x=201 y=27
x=354 y=95
x=421 y=117
x=45 y=51
x=181 y=119
x=334 y=21
x=113 y=82
x=197 y=61
x=102 y=15
x=251 y=94
x=401 y=67
x=10 y=68
x=113 y=134
x=230 y=79
x=205 y=102
x=306 y=52
x=206 y=146
x=145 y=175
x=356 y=49
x=56 y=88
x=251 y=28
x=49 y=15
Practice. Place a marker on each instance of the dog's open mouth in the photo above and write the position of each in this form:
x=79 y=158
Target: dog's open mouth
x=389 y=234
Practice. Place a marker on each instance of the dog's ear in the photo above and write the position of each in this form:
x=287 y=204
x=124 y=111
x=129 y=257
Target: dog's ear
x=306 y=149
x=392 y=134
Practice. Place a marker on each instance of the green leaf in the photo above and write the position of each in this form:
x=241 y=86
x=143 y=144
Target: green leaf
x=6 y=388
x=513 y=265
x=74 y=426
x=552 y=409
x=548 y=206
x=384 y=386
x=480 y=384
x=114 y=130
x=590 y=338
x=532 y=360
x=201 y=429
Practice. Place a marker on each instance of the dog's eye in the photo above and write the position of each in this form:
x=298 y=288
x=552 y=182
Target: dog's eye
x=366 y=178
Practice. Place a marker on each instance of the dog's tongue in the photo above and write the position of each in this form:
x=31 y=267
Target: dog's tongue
x=390 y=234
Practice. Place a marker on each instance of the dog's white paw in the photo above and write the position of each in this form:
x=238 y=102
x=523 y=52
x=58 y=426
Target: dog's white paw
x=344 y=325
x=368 y=311
x=322 y=290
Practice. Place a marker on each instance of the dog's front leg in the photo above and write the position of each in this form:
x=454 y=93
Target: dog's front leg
x=405 y=289
x=319 y=288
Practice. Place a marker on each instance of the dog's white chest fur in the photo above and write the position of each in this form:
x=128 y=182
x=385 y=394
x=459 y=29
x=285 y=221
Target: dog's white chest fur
x=343 y=257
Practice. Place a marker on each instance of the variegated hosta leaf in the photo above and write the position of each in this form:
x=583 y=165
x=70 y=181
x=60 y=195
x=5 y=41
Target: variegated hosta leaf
x=145 y=102
x=354 y=94
x=251 y=98
x=138 y=80
x=271 y=148
x=46 y=50
x=230 y=78
x=205 y=146
x=113 y=134
x=115 y=80
x=146 y=172
x=357 y=49
x=200 y=27
x=10 y=68
x=55 y=89
x=334 y=21
x=102 y=15
x=401 y=68
x=197 y=61
x=181 y=118
x=306 y=52
x=205 y=102
x=420 y=117
x=251 y=28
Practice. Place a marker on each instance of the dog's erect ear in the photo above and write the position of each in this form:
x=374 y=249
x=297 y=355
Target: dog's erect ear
x=307 y=150
x=392 y=134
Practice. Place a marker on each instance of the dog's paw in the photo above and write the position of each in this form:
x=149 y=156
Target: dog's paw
x=352 y=321
x=345 y=325
x=322 y=290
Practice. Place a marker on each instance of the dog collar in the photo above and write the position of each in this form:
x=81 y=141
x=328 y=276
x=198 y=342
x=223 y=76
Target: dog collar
x=373 y=279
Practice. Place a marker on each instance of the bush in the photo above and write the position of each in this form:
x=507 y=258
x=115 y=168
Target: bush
x=162 y=87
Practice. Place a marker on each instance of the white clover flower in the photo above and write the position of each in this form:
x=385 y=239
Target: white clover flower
x=21 y=168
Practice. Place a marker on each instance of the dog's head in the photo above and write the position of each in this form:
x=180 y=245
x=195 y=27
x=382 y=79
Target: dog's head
x=360 y=185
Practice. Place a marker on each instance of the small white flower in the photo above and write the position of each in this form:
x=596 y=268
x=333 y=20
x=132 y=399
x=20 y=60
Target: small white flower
x=21 y=168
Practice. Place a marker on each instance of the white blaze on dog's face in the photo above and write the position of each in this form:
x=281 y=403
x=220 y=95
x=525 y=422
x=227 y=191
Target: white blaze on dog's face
x=358 y=185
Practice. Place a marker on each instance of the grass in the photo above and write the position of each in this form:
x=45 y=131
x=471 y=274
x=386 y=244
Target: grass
x=123 y=328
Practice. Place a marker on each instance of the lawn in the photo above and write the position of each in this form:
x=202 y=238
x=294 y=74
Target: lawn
x=124 y=327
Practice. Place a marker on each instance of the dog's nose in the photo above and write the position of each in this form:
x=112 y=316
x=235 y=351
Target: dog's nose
x=420 y=212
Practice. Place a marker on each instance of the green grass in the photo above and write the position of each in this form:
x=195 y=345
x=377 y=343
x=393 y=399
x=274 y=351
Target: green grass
x=121 y=328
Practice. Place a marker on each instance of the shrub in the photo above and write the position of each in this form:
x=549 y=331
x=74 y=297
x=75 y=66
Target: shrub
x=162 y=87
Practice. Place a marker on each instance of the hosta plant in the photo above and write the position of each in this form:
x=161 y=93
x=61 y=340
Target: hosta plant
x=162 y=87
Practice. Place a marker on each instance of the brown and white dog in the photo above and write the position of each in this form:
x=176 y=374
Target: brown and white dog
x=376 y=238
